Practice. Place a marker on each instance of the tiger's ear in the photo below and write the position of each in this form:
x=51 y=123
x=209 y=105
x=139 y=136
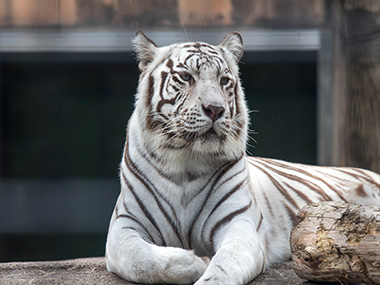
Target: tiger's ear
x=145 y=49
x=233 y=42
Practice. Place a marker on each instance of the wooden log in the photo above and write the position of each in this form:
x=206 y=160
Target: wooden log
x=337 y=242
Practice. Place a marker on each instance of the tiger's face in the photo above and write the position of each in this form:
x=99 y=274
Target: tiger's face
x=190 y=97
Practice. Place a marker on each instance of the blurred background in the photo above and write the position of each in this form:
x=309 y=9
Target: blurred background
x=311 y=73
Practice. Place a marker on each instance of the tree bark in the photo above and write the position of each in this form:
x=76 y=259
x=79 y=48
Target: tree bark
x=337 y=242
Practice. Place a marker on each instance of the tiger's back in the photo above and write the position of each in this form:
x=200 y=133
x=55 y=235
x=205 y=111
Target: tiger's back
x=283 y=188
x=192 y=206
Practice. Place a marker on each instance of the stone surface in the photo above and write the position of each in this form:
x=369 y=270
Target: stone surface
x=76 y=271
x=93 y=271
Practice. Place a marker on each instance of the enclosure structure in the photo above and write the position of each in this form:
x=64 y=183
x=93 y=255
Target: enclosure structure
x=68 y=75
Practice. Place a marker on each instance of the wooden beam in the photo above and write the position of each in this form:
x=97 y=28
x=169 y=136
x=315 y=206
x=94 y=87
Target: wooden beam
x=147 y=14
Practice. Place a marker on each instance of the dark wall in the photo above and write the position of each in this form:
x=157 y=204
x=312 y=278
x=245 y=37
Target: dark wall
x=63 y=121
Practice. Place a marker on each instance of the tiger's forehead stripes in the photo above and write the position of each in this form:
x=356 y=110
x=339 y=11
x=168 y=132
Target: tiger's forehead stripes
x=181 y=65
x=197 y=55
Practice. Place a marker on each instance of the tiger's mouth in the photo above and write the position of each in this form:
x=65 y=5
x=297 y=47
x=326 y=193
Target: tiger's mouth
x=211 y=136
x=206 y=136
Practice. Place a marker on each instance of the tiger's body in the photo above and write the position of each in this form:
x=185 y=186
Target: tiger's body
x=193 y=207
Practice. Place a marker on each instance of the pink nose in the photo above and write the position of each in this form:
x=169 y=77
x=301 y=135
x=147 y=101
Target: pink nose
x=213 y=112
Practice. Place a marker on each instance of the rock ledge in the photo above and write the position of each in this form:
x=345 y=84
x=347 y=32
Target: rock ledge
x=93 y=271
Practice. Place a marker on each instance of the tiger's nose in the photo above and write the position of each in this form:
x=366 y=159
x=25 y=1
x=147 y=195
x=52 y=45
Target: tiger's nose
x=213 y=112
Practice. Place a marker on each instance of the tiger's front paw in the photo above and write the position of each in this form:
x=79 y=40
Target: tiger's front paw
x=183 y=266
x=212 y=280
x=216 y=275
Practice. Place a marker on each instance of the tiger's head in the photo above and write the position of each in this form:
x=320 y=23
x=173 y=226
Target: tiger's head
x=190 y=100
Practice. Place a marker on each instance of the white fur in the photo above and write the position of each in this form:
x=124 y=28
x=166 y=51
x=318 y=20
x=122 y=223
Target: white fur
x=196 y=209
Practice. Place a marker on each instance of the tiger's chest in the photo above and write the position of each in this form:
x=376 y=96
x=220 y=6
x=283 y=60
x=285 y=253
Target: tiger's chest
x=194 y=208
x=182 y=214
x=189 y=208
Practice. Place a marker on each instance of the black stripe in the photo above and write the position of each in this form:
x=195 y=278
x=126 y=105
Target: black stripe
x=298 y=179
x=151 y=239
x=175 y=88
x=179 y=106
x=152 y=189
x=164 y=117
x=226 y=196
x=134 y=218
x=153 y=155
x=193 y=51
x=279 y=187
x=268 y=204
x=261 y=220
x=142 y=206
x=181 y=65
x=219 y=67
x=170 y=63
x=166 y=215
x=222 y=269
x=231 y=177
x=149 y=96
x=236 y=99
x=225 y=220
x=150 y=123
x=130 y=228
x=309 y=184
x=198 y=65
x=133 y=229
x=188 y=57
x=213 y=52
x=144 y=180
x=300 y=194
x=148 y=159
x=232 y=106
x=360 y=174
x=219 y=173
x=164 y=76
x=291 y=214
x=165 y=101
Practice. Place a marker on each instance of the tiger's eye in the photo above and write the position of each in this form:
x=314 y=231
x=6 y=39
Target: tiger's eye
x=224 y=80
x=185 y=76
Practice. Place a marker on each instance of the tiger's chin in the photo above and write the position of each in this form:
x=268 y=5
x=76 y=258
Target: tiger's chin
x=208 y=141
x=214 y=147
x=207 y=149
x=202 y=157
x=212 y=137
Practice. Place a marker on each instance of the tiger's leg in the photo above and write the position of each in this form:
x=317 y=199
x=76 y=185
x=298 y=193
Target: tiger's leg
x=133 y=259
x=239 y=255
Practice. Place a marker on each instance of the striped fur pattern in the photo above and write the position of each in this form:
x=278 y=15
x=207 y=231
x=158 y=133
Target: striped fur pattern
x=193 y=207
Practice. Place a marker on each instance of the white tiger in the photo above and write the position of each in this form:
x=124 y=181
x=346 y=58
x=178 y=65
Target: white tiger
x=193 y=207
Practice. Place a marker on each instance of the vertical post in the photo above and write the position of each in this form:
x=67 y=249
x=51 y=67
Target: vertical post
x=356 y=83
x=361 y=32
x=325 y=101
x=339 y=83
x=0 y=119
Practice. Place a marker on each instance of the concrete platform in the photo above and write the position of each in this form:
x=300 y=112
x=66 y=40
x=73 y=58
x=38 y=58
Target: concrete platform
x=93 y=271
